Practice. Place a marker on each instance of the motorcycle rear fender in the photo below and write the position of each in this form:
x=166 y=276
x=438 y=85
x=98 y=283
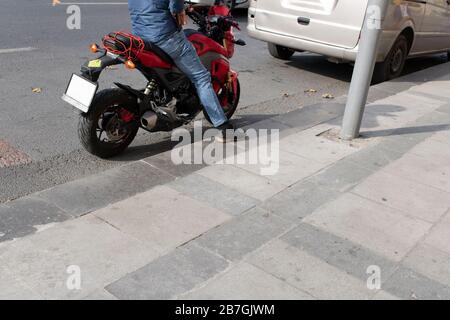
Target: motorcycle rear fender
x=93 y=68
x=136 y=93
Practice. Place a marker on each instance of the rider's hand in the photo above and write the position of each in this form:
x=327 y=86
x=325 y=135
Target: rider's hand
x=181 y=18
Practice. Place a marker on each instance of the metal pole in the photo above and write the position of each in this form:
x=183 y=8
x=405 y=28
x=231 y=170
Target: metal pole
x=364 y=67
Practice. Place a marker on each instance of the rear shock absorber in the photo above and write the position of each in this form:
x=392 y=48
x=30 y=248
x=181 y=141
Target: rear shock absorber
x=151 y=87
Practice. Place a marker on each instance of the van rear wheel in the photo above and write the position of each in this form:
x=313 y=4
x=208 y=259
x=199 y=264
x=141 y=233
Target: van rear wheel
x=392 y=66
x=280 y=52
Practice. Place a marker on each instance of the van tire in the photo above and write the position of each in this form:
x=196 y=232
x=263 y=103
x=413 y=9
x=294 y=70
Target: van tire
x=392 y=66
x=280 y=52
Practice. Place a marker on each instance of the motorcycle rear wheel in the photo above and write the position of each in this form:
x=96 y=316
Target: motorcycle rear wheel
x=231 y=108
x=104 y=117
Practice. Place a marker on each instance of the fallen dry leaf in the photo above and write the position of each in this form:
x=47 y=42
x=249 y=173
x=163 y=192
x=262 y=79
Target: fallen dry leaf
x=36 y=90
x=328 y=96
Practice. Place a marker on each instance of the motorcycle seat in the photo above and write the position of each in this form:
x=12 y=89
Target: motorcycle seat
x=150 y=46
x=121 y=41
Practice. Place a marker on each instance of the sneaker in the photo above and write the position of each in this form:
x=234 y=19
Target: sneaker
x=226 y=134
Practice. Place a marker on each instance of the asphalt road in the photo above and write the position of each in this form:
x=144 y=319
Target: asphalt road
x=43 y=127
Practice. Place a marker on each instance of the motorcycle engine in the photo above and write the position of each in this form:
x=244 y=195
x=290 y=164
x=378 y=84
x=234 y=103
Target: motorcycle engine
x=189 y=104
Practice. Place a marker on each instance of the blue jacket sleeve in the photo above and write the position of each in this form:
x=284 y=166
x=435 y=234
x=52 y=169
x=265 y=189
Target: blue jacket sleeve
x=176 y=6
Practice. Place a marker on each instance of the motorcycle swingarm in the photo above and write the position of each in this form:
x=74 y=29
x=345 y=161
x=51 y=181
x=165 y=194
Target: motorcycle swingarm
x=145 y=103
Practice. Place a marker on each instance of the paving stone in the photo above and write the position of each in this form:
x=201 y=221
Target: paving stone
x=435 y=118
x=379 y=228
x=383 y=295
x=445 y=108
x=247 y=118
x=299 y=200
x=170 y=275
x=209 y=151
x=27 y=215
x=259 y=146
x=429 y=95
x=431 y=262
x=287 y=168
x=431 y=100
x=97 y=191
x=102 y=253
x=404 y=139
x=376 y=93
x=373 y=158
x=422 y=170
x=12 y=288
x=412 y=198
x=268 y=124
x=311 y=145
x=243 y=234
x=432 y=149
x=100 y=294
x=250 y=184
x=163 y=161
x=407 y=284
x=439 y=236
x=437 y=88
x=268 y=128
x=308 y=273
x=338 y=252
x=162 y=217
x=442 y=136
x=383 y=124
x=341 y=176
x=214 y=194
x=394 y=112
x=429 y=74
x=394 y=87
x=310 y=116
x=246 y=282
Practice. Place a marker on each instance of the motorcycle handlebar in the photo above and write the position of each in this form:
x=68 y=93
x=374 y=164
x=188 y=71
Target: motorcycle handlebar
x=196 y=17
x=202 y=21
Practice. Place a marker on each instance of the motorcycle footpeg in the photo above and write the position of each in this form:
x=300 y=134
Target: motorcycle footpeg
x=240 y=42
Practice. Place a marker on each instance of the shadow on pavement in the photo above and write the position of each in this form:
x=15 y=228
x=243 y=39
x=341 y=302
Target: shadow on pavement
x=143 y=151
x=343 y=71
x=320 y=65
x=406 y=130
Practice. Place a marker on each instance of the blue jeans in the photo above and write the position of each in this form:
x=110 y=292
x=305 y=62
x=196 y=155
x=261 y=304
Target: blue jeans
x=183 y=53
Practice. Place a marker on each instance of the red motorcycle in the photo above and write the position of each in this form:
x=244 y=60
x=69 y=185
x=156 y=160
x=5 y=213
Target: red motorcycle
x=111 y=118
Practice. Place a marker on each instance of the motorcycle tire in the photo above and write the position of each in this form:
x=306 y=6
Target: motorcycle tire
x=106 y=102
x=232 y=108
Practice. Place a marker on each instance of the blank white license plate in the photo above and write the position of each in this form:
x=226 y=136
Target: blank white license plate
x=80 y=92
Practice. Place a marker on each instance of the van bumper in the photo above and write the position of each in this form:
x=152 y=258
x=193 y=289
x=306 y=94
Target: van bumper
x=303 y=45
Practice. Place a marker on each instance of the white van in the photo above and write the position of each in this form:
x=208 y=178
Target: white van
x=333 y=28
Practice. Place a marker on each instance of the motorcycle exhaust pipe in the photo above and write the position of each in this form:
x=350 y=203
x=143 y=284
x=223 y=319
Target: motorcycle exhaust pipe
x=149 y=120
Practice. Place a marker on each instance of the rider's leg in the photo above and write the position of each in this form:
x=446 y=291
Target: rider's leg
x=185 y=57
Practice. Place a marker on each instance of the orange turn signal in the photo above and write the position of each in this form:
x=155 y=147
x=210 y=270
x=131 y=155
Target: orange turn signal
x=94 y=48
x=130 y=65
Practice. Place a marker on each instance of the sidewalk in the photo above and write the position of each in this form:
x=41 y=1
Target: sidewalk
x=334 y=210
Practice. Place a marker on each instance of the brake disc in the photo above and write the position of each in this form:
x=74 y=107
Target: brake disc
x=113 y=127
